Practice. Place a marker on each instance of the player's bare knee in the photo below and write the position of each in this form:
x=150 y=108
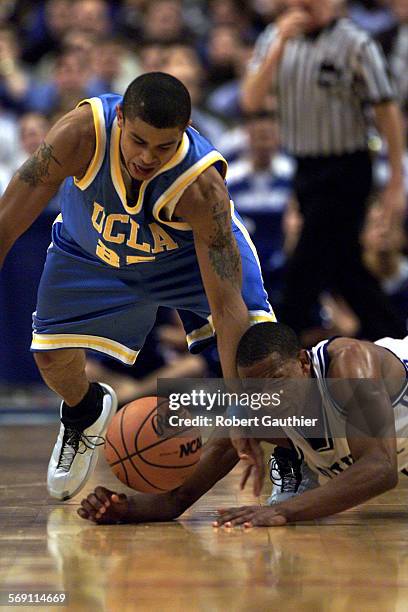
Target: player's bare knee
x=48 y=360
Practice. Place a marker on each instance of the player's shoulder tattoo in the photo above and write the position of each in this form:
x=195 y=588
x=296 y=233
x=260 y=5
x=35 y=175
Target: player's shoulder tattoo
x=223 y=251
x=36 y=168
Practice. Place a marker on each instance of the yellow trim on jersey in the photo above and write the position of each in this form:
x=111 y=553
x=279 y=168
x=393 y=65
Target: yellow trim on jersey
x=176 y=190
x=116 y=172
x=58 y=219
x=100 y=134
x=207 y=330
x=202 y=333
x=47 y=342
x=265 y=318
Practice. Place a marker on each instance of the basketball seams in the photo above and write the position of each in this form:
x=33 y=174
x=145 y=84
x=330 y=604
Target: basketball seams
x=143 y=423
x=168 y=467
x=138 y=430
x=127 y=452
x=146 y=448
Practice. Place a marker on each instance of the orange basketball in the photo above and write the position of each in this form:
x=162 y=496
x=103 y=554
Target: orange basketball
x=144 y=459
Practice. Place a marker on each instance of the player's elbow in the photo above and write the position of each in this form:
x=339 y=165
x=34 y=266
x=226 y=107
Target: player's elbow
x=223 y=306
x=386 y=475
x=391 y=479
x=229 y=309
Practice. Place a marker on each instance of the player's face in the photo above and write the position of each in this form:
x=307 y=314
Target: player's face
x=144 y=148
x=286 y=378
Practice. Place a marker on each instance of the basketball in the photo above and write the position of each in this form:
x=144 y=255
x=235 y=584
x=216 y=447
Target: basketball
x=142 y=455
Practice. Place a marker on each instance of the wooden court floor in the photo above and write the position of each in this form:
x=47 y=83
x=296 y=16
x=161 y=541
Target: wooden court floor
x=357 y=561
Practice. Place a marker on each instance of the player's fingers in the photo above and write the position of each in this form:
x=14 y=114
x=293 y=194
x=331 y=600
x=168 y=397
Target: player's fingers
x=240 y=517
x=239 y=445
x=87 y=512
x=95 y=501
x=104 y=495
x=88 y=507
x=258 y=479
x=239 y=440
x=119 y=498
x=82 y=513
x=256 y=451
x=259 y=476
x=248 y=453
x=259 y=461
x=231 y=515
x=103 y=492
x=245 y=476
x=241 y=520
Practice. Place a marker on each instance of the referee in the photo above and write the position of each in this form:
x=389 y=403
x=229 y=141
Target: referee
x=329 y=75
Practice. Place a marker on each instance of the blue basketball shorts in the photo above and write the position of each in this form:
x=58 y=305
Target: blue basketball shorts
x=86 y=304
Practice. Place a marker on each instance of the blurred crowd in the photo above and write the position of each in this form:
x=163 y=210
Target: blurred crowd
x=54 y=53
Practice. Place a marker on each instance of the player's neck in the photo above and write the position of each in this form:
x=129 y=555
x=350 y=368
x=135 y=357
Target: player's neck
x=132 y=185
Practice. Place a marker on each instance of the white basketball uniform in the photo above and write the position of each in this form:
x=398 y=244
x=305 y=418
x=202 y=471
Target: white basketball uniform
x=331 y=454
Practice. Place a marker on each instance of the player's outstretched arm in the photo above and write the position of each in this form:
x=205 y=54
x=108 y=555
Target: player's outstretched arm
x=205 y=205
x=66 y=151
x=105 y=507
x=357 y=385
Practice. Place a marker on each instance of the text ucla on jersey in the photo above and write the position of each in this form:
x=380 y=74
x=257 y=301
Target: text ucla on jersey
x=112 y=262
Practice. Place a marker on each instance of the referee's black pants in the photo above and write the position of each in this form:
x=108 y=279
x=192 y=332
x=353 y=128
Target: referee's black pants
x=332 y=193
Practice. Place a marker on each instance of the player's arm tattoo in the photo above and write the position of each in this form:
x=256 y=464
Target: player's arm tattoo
x=223 y=251
x=36 y=168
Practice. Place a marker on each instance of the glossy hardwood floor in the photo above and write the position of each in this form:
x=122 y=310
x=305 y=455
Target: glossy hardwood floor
x=357 y=561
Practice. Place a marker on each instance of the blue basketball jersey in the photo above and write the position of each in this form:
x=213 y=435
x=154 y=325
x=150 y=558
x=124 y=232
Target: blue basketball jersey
x=112 y=262
x=99 y=218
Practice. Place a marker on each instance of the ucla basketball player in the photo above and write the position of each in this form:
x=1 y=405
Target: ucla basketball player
x=146 y=220
x=361 y=400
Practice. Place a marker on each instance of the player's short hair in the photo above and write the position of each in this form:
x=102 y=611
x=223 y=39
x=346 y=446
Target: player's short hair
x=263 y=339
x=158 y=99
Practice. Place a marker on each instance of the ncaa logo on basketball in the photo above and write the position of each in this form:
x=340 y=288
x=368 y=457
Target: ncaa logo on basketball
x=190 y=447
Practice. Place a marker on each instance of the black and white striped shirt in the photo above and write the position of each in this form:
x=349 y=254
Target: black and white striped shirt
x=324 y=83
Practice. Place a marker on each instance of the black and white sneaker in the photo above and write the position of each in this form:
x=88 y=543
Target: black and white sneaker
x=76 y=452
x=289 y=475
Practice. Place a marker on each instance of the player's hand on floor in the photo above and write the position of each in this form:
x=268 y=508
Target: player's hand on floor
x=251 y=516
x=104 y=507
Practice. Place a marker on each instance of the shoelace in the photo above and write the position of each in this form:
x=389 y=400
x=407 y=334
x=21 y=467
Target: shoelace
x=70 y=446
x=288 y=480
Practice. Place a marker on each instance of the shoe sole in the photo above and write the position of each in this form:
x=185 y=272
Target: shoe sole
x=94 y=459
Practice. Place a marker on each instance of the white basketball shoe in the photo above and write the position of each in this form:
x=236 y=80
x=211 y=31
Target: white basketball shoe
x=289 y=475
x=76 y=451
